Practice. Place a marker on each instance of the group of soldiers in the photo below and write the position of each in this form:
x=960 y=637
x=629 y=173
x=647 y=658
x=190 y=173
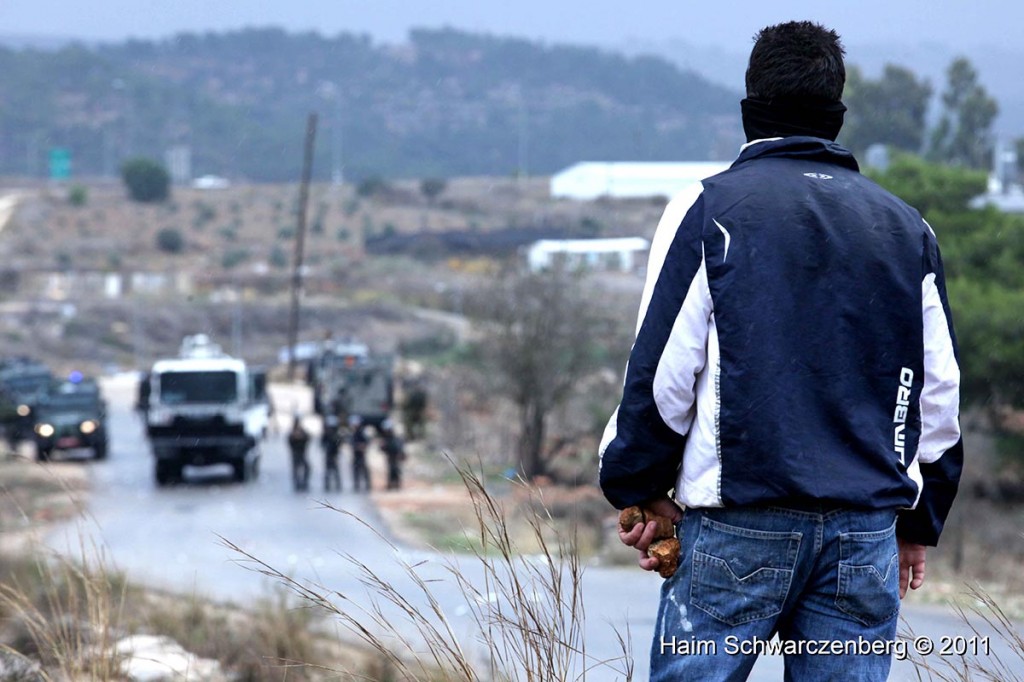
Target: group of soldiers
x=336 y=434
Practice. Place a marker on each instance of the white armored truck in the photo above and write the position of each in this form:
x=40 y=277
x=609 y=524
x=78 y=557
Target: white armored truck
x=205 y=407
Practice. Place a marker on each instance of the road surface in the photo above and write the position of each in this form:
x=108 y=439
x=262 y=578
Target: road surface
x=169 y=538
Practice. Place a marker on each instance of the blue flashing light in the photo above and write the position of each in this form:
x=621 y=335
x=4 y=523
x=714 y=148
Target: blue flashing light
x=75 y=377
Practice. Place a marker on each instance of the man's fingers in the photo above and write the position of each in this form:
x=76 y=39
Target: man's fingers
x=918 y=578
x=641 y=537
x=630 y=538
x=647 y=537
x=648 y=563
x=912 y=562
x=667 y=508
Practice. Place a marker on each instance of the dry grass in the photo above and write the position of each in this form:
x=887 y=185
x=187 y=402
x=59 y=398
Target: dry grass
x=62 y=615
x=977 y=659
x=31 y=494
x=64 y=618
x=67 y=616
x=527 y=609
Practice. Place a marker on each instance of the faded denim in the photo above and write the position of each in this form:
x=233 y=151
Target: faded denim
x=811 y=574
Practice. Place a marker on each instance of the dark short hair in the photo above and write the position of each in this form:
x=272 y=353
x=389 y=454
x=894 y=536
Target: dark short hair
x=796 y=59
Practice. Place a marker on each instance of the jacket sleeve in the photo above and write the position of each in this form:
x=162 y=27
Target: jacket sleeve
x=643 y=443
x=940 y=449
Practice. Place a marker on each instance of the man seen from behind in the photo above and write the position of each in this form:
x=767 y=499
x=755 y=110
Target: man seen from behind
x=794 y=386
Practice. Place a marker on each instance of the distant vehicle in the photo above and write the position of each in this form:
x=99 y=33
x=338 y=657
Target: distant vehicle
x=22 y=382
x=205 y=407
x=71 y=415
x=350 y=382
x=211 y=182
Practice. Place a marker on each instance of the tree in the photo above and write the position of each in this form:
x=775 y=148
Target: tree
x=78 y=195
x=964 y=133
x=432 y=188
x=1019 y=147
x=147 y=181
x=983 y=258
x=372 y=186
x=930 y=187
x=889 y=111
x=169 y=240
x=540 y=350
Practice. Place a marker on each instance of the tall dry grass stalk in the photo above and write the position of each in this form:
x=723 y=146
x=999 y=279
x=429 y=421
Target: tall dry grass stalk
x=987 y=622
x=67 y=615
x=526 y=610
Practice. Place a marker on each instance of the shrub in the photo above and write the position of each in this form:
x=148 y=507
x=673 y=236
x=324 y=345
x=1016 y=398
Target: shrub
x=78 y=195
x=372 y=187
x=432 y=188
x=147 y=181
x=169 y=240
x=234 y=258
x=278 y=258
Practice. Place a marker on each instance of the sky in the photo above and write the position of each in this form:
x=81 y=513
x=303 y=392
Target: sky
x=957 y=23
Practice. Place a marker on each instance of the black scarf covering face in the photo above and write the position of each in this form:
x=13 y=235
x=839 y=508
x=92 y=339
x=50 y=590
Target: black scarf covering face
x=789 y=116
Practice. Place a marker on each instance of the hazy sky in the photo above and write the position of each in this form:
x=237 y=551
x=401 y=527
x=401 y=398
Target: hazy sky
x=956 y=23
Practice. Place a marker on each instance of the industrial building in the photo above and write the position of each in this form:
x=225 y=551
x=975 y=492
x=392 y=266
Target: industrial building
x=624 y=180
x=624 y=254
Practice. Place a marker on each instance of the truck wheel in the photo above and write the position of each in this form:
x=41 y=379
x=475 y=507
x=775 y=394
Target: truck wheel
x=43 y=454
x=241 y=470
x=167 y=472
x=99 y=451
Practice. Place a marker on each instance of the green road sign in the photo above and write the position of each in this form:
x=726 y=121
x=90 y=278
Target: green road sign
x=60 y=163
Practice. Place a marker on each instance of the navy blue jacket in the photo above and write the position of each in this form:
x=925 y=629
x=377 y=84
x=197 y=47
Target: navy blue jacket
x=794 y=345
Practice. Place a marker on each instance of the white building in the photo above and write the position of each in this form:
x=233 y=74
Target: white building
x=1003 y=192
x=621 y=180
x=625 y=254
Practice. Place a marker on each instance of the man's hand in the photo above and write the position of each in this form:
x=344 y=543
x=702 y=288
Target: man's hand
x=911 y=564
x=642 y=534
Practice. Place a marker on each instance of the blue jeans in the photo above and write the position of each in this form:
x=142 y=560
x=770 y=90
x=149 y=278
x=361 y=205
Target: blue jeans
x=825 y=580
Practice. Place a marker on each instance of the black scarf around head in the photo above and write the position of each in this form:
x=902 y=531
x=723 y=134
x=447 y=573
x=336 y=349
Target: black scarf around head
x=785 y=117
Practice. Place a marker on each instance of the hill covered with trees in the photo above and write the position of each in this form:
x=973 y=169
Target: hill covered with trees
x=443 y=103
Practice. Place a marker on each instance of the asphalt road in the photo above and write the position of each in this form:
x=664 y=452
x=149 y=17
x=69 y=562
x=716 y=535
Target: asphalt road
x=170 y=538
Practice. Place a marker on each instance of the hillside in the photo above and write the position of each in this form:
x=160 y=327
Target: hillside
x=443 y=103
x=89 y=287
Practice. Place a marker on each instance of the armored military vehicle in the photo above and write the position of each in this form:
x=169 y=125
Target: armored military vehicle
x=70 y=415
x=22 y=383
x=350 y=382
x=205 y=407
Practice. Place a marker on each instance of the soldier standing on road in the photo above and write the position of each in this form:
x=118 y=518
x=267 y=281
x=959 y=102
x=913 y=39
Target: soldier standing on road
x=360 y=442
x=298 y=442
x=414 y=410
x=394 y=450
x=331 y=444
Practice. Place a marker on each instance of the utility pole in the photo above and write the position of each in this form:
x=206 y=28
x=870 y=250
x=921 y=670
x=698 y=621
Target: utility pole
x=330 y=91
x=523 y=138
x=300 y=242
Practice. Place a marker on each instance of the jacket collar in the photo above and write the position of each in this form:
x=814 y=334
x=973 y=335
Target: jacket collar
x=798 y=147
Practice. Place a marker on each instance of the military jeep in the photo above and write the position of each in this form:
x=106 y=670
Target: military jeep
x=71 y=415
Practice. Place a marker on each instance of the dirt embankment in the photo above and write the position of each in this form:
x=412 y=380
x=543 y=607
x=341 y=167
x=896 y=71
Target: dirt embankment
x=33 y=496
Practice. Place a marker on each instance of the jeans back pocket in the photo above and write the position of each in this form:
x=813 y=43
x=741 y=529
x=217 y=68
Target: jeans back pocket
x=869 y=576
x=742 y=574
